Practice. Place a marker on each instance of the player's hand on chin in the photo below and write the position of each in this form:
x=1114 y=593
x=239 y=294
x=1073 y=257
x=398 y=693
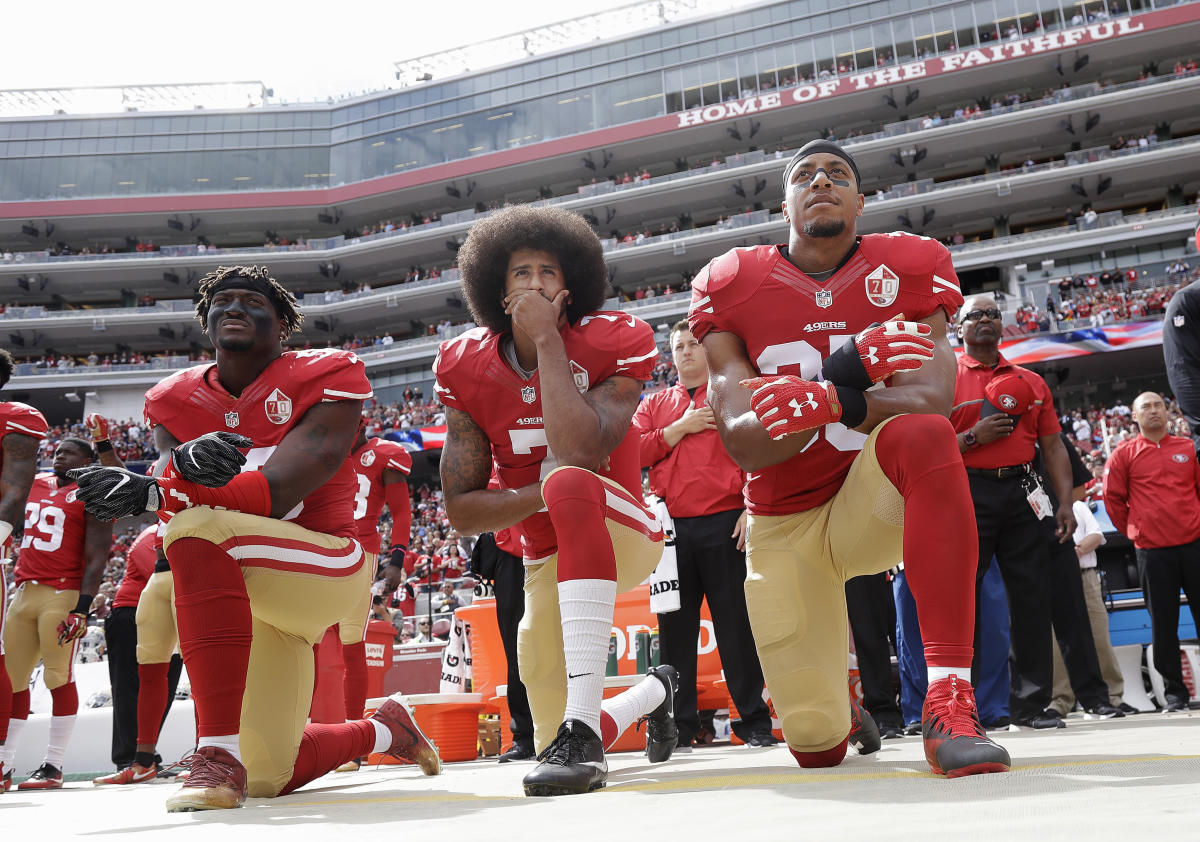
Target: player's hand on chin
x=535 y=315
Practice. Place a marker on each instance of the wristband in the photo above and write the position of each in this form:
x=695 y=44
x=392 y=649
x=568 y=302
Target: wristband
x=854 y=406
x=84 y=606
x=103 y=446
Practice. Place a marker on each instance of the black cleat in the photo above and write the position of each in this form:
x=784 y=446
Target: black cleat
x=761 y=739
x=572 y=764
x=864 y=733
x=662 y=735
x=519 y=750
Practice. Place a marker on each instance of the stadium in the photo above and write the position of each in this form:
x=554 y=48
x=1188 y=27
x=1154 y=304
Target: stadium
x=1052 y=146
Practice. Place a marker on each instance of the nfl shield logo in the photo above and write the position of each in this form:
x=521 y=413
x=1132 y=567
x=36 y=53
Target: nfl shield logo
x=232 y=419
x=528 y=394
x=278 y=407
x=824 y=298
x=1178 y=320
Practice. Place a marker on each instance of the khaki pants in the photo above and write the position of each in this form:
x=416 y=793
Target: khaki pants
x=797 y=566
x=539 y=636
x=300 y=583
x=158 y=633
x=1110 y=670
x=31 y=635
x=352 y=628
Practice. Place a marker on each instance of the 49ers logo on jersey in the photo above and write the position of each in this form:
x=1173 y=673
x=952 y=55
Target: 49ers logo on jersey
x=883 y=285
x=278 y=407
x=367 y=459
x=580 y=376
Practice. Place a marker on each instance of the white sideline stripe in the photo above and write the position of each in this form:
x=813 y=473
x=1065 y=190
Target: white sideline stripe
x=337 y=393
x=23 y=429
x=294 y=556
x=647 y=356
x=619 y=503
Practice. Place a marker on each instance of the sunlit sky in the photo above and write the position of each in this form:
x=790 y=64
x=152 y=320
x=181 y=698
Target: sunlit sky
x=303 y=50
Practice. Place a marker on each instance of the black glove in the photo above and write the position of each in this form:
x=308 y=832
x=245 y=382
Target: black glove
x=211 y=460
x=111 y=493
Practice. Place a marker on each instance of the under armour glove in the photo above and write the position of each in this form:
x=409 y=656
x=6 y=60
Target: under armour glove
x=74 y=625
x=97 y=427
x=6 y=531
x=878 y=352
x=111 y=493
x=787 y=404
x=211 y=460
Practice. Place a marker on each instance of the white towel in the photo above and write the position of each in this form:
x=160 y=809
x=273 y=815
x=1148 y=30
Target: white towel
x=664 y=581
x=456 y=659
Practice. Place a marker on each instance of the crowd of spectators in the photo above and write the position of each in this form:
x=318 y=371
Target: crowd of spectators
x=1101 y=298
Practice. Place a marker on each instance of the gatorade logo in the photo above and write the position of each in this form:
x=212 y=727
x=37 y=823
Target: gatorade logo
x=706 y=641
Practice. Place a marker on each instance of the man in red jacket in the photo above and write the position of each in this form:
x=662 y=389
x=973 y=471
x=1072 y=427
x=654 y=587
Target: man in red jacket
x=702 y=488
x=1152 y=493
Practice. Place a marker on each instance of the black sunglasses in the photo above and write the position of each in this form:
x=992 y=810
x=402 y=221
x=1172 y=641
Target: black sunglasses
x=991 y=312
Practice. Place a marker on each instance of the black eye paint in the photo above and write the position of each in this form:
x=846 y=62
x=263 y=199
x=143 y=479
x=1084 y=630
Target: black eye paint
x=837 y=181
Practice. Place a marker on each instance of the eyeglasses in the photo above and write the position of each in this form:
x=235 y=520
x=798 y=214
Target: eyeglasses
x=975 y=315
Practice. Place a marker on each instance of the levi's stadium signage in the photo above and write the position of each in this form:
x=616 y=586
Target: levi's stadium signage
x=963 y=60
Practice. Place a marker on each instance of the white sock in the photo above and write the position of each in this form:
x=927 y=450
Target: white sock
x=383 y=737
x=938 y=673
x=626 y=708
x=230 y=742
x=8 y=751
x=586 y=607
x=61 y=728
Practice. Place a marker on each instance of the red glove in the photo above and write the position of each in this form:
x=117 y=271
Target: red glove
x=787 y=404
x=97 y=426
x=72 y=628
x=878 y=352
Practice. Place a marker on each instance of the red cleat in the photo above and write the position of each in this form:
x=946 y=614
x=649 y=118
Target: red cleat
x=408 y=743
x=955 y=743
x=216 y=781
x=45 y=776
x=134 y=773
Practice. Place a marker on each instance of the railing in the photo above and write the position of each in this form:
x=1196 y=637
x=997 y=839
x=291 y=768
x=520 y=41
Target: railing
x=606 y=187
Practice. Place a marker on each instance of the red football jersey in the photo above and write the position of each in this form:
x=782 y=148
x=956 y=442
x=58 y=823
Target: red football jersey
x=192 y=402
x=790 y=323
x=53 y=543
x=473 y=376
x=23 y=419
x=139 y=564
x=369 y=462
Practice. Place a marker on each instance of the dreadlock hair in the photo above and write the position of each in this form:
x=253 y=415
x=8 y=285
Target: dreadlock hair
x=257 y=278
x=82 y=443
x=7 y=364
x=483 y=260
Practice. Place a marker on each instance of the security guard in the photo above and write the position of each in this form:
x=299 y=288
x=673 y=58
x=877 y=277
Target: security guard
x=1001 y=411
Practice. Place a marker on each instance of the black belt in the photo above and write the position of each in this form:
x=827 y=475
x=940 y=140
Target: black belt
x=1000 y=473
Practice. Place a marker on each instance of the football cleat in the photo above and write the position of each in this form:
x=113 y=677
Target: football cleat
x=134 y=773
x=662 y=735
x=352 y=765
x=216 y=781
x=45 y=776
x=519 y=750
x=408 y=743
x=955 y=742
x=572 y=764
x=864 y=733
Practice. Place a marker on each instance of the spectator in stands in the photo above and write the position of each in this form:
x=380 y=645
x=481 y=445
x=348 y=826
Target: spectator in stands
x=446 y=600
x=423 y=634
x=1152 y=494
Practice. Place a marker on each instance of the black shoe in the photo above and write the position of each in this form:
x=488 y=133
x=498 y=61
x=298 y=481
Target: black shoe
x=1128 y=709
x=761 y=739
x=1174 y=703
x=891 y=726
x=519 y=750
x=662 y=735
x=912 y=729
x=572 y=764
x=1044 y=720
x=1000 y=723
x=1103 y=711
x=864 y=733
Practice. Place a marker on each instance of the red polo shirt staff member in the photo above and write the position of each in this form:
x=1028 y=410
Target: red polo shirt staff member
x=1152 y=493
x=1001 y=410
x=702 y=487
